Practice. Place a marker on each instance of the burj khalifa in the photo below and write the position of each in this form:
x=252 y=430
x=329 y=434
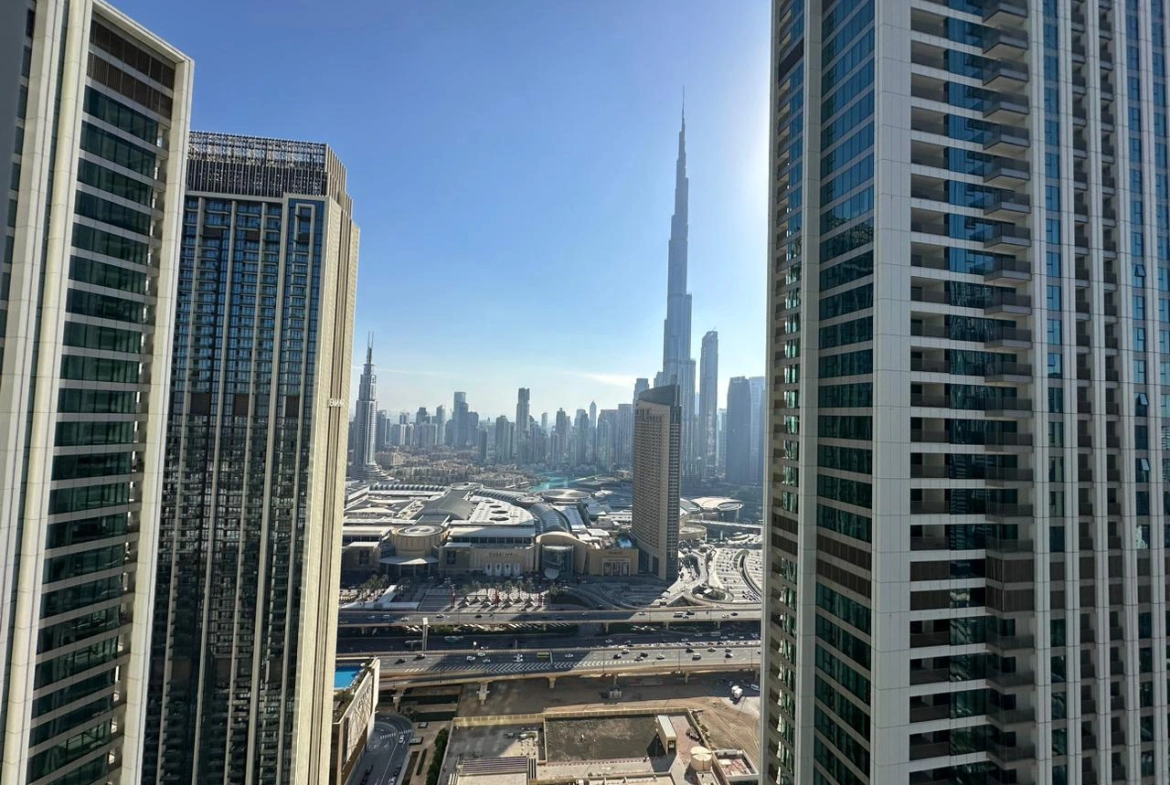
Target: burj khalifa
x=678 y=367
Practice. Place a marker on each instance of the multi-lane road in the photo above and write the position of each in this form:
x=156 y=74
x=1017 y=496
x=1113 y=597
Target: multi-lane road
x=554 y=661
x=385 y=753
x=350 y=617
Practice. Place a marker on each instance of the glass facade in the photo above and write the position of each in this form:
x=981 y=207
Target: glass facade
x=964 y=486
x=251 y=381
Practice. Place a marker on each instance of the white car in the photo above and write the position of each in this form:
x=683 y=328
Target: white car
x=568 y=656
x=471 y=658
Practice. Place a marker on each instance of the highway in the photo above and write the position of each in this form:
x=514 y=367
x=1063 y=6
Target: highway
x=566 y=661
x=349 y=617
x=401 y=641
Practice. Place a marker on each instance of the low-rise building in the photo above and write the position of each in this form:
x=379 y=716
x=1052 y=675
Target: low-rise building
x=355 y=700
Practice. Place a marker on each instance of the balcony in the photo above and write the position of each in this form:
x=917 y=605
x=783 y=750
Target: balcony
x=1005 y=12
x=940 y=749
x=1006 y=107
x=1009 y=203
x=1008 y=268
x=1006 y=173
x=1006 y=139
x=1009 y=681
x=930 y=713
x=1006 y=643
x=1004 y=336
x=992 y=474
x=1008 y=236
x=924 y=639
x=1005 y=44
x=1002 y=73
x=1005 y=753
x=1006 y=719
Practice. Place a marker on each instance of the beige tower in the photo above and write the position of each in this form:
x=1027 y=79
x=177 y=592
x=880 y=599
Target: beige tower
x=94 y=114
x=657 y=431
x=249 y=550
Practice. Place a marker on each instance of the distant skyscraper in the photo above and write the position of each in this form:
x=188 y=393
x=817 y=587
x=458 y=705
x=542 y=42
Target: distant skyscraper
x=759 y=424
x=382 y=432
x=678 y=366
x=522 y=441
x=440 y=421
x=656 y=477
x=421 y=416
x=708 y=401
x=245 y=619
x=463 y=434
x=503 y=440
x=457 y=432
x=606 y=438
x=544 y=421
x=721 y=441
x=560 y=441
x=641 y=385
x=364 y=417
x=625 y=435
x=94 y=118
x=593 y=413
x=740 y=468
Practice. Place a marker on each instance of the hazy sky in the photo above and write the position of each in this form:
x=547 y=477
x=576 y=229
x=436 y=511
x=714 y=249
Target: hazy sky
x=512 y=169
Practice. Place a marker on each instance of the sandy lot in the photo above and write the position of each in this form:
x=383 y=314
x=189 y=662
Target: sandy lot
x=726 y=724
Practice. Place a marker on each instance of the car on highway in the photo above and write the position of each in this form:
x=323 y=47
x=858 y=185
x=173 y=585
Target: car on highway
x=697 y=657
x=734 y=613
x=471 y=658
x=400 y=660
x=660 y=657
x=487 y=660
x=710 y=648
x=420 y=656
x=479 y=615
x=641 y=613
x=729 y=655
x=617 y=656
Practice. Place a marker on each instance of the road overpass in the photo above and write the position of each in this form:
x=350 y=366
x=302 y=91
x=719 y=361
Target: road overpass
x=400 y=671
x=371 y=619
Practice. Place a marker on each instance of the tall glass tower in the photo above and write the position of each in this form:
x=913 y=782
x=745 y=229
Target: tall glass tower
x=365 y=417
x=678 y=367
x=94 y=114
x=245 y=619
x=970 y=392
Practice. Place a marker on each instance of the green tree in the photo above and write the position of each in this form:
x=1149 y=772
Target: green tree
x=437 y=757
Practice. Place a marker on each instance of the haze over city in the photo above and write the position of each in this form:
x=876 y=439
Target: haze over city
x=512 y=170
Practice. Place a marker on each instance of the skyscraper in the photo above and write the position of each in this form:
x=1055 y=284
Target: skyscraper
x=503 y=439
x=382 y=431
x=523 y=435
x=440 y=421
x=544 y=421
x=245 y=618
x=678 y=367
x=364 y=415
x=656 y=477
x=625 y=435
x=457 y=432
x=759 y=424
x=740 y=468
x=708 y=401
x=94 y=119
x=967 y=274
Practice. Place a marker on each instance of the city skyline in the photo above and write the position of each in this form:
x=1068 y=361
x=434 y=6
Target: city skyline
x=596 y=164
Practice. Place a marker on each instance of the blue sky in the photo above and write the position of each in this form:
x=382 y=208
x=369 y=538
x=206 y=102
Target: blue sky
x=511 y=164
